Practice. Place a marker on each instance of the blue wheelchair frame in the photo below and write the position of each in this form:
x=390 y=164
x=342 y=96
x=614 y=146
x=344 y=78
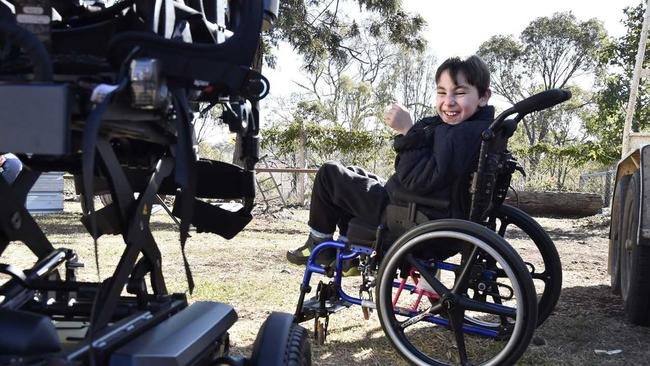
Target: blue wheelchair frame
x=355 y=252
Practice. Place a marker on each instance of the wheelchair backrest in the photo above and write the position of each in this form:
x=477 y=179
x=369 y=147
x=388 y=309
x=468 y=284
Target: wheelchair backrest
x=490 y=181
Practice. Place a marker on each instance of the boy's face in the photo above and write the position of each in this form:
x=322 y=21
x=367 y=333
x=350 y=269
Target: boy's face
x=457 y=102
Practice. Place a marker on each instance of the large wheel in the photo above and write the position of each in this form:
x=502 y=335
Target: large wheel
x=425 y=315
x=615 y=232
x=537 y=250
x=635 y=259
x=281 y=342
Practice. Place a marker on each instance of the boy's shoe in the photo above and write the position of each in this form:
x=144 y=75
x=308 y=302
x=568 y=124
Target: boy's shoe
x=351 y=268
x=300 y=255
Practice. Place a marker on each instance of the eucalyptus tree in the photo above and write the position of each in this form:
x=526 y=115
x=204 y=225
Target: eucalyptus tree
x=618 y=55
x=319 y=29
x=551 y=52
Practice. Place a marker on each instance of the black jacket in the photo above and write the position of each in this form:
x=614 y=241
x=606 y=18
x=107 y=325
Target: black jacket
x=434 y=159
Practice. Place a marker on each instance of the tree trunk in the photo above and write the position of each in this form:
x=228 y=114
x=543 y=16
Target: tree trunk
x=557 y=204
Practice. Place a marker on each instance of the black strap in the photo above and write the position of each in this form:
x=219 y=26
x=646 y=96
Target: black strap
x=90 y=133
x=185 y=173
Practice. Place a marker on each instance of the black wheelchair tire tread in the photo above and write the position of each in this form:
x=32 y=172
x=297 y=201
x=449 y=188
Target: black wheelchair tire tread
x=298 y=352
x=281 y=342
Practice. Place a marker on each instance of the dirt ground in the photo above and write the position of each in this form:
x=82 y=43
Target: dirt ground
x=251 y=273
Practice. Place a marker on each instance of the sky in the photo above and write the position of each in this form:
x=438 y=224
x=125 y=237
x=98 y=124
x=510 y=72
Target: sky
x=458 y=27
x=454 y=32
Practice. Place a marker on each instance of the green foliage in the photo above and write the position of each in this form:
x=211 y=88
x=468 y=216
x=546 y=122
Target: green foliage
x=355 y=146
x=320 y=30
x=606 y=123
x=559 y=46
x=550 y=53
x=207 y=151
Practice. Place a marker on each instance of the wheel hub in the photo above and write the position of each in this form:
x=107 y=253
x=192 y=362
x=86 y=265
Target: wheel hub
x=449 y=302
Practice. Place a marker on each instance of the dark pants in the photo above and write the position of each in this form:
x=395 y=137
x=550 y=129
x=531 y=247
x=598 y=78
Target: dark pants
x=341 y=193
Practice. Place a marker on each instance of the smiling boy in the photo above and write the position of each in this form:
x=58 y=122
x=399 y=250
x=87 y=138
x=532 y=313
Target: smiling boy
x=433 y=159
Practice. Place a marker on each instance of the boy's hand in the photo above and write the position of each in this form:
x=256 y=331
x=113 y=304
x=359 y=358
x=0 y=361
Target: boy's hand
x=398 y=118
x=2 y=160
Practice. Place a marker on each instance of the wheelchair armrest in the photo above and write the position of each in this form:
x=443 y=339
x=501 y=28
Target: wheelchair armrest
x=435 y=203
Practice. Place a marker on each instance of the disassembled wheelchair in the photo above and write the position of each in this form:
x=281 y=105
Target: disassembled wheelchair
x=108 y=94
x=441 y=287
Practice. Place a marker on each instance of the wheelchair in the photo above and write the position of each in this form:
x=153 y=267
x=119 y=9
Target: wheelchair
x=450 y=290
x=107 y=94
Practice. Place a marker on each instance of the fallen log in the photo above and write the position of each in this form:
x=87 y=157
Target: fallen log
x=556 y=204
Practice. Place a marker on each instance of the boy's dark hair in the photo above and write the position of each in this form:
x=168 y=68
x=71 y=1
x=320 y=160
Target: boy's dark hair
x=475 y=70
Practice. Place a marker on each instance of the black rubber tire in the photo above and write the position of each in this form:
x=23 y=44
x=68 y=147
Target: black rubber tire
x=410 y=243
x=281 y=342
x=615 y=231
x=552 y=274
x=635 y=259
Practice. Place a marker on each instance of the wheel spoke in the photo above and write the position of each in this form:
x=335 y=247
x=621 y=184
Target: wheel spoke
x=428 y=274
x=456 y=318
x=462 y=281
x=469 y=304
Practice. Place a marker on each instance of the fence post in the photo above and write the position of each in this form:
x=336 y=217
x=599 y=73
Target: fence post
x=302 y=164
x=608 y=187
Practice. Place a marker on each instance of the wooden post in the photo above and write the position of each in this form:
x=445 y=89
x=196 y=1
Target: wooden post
x=302 y=164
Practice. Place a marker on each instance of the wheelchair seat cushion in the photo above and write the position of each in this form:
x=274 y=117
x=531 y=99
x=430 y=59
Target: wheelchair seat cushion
x=361 y=233
x=26 y=333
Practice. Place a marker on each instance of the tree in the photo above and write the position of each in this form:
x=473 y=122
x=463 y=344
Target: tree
x=352 y=97
x=552 y=52
x=318 y=29
x=606 y=123
x=413 y=81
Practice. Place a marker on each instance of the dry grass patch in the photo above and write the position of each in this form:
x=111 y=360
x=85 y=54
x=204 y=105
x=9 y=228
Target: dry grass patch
x=251 y=273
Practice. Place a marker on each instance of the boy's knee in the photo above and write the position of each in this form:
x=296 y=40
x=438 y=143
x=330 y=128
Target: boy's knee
x=330 y=166
x=327 y=170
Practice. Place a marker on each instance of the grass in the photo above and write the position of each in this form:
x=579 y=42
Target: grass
x=251 y=273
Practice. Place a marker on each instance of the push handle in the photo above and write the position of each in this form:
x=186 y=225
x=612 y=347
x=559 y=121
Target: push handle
x=543 y=100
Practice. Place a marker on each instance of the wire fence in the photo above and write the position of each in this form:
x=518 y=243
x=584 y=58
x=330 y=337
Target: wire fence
x=282 y=187
x=600 y=182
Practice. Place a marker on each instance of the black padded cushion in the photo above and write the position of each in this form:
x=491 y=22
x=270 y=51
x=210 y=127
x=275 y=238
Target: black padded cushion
x=24 y=333
x=361 y=233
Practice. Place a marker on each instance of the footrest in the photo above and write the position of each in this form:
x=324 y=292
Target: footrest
x=313 y=305
x=179 y=340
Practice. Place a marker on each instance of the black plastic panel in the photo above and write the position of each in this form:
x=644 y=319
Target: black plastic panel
x=180 y=339
x=34 y=119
